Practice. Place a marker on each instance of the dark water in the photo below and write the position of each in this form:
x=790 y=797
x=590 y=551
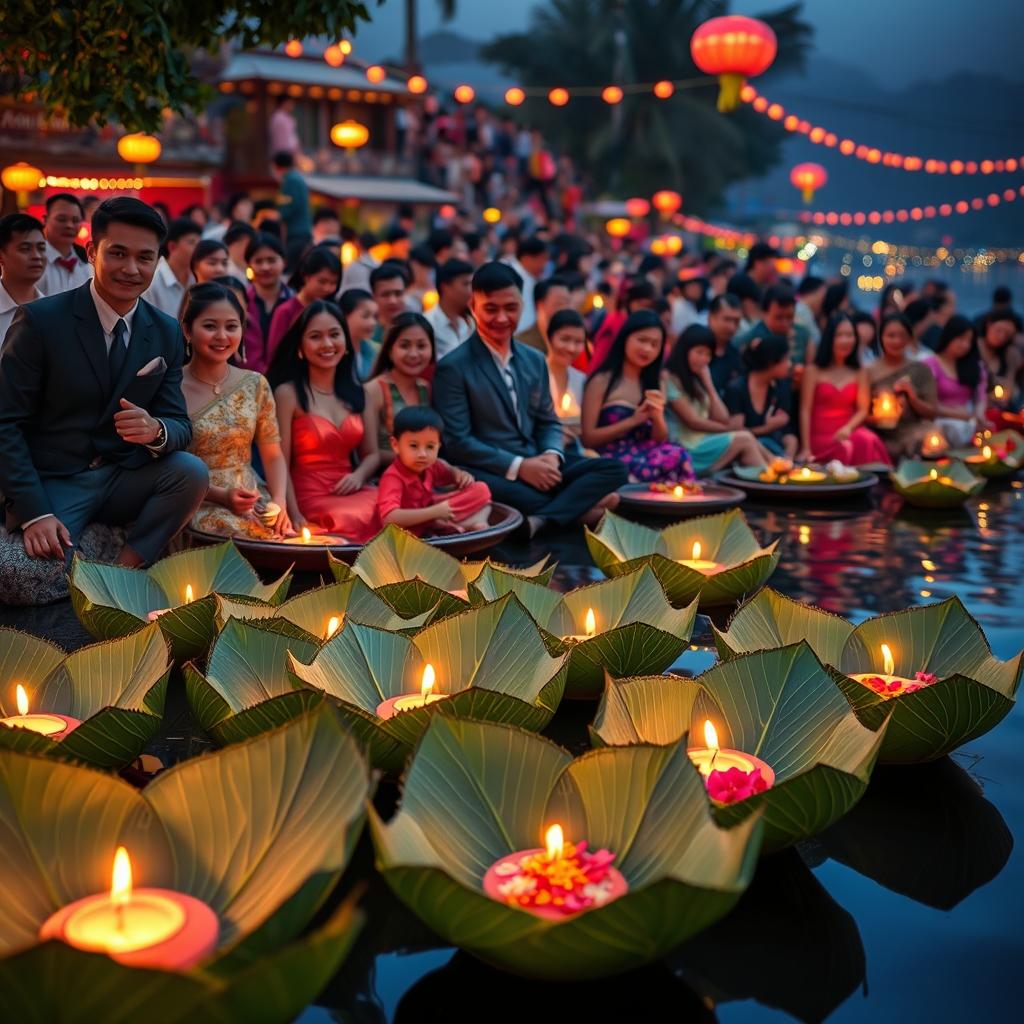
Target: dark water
x=907 y=910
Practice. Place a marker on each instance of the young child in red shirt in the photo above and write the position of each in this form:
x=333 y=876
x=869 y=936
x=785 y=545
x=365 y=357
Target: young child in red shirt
x=406 y=494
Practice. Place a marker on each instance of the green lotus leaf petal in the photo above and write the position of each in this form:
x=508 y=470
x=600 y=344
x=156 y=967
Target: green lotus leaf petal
x=779 y=705
x=954 y=484
x=116 y=689
x=974 y=693
x=619 y=546
x=111 y=600
x=492 y=661
x=770 y=619
x=1001 y=464
x=535 y=596
x=478 y=791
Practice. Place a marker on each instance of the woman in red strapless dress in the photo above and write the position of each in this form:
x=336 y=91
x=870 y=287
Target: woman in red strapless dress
x=834 y=400
x=319 y=407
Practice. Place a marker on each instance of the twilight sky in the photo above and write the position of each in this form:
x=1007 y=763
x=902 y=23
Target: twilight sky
x=896 y=41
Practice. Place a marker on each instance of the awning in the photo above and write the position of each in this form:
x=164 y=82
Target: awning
x=378 y=189
x=274 y=68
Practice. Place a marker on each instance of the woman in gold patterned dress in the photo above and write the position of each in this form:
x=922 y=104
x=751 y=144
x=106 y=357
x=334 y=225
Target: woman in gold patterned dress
x=231 y=409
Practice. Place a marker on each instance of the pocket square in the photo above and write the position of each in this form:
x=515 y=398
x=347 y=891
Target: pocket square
x=156 y=365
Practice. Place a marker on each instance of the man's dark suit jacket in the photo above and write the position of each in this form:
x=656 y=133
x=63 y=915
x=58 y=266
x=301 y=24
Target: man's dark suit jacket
x=482 y=430
x=57 y=401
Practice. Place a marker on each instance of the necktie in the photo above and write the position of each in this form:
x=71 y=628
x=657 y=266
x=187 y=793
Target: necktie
x=118 y=351
x=67 y=262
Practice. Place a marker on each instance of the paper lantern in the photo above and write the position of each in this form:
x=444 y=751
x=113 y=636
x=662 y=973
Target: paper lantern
x=447 y=211
x=376 y=74
x=619 y=227
x=808 y=178
x=734 y=48
x=293 y=48
x=350 y=134
x=334 y=56
x=416 y=84
x=138 y=148
x=558 y=96
x=345 y=46
x=464 y=94
x=611 y=94
x=514 y=96
x=666 y=202
x=637 y=207
x=664 y=89
x=21 y=179
x=492 y=215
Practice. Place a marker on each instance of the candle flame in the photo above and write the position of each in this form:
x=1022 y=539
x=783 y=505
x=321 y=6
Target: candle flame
x=935 y=439
x=696 y=551
x=805 y=472
x=677 y=491
x=190 y=594
x=590 y=623
x=710 y=735
x=986 y=452
x=554 y=840
x=332 y=627
x=121 y=877
x=306 y=535
x=933 y=474
x=566 y=402
x=429 y=677
x=21 y=699
x=999 y=391
x=888 y=664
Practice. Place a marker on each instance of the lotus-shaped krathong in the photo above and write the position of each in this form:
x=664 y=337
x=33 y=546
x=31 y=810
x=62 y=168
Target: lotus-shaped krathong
x=488 y=663
x=782 y=707
x=929 y=669
x=1002 y=454
x=115 y=689
x=623 y=626
x=927 y=485
x=259 y=833
x=715 y=559
x=179 y=593
x=477 y=792
x=415 y=577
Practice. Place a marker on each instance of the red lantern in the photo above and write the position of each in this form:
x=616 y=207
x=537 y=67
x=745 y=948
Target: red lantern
x=735 y=48
x=808 y=178
x=618 y=227
x=637 y=207
x=666 y=202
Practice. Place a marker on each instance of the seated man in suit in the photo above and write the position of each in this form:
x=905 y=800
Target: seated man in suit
x=92 y=419
x=495 y=398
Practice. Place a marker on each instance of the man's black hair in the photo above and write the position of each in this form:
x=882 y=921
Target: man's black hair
x=238 y=229
x=531 y=246
x=450 y=270
x=779 y=295
x=542 y=288
x=322 y=213
x=126 y=210
x=283 y=159
x=495 y=277
x=810 y=284
x=388 y=271
x=17 y=224
x=64 y=197
x=180 y=228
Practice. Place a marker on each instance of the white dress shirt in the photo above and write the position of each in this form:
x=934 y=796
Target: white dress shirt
x=8 y=307
x=56 y=279
x=448 y=334
x=167 y=292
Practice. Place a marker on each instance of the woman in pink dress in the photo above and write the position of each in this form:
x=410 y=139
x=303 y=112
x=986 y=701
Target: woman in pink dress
x=835 y=397
x=319 y=409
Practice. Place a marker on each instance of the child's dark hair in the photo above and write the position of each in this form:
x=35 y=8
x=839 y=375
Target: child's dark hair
x=414 y=418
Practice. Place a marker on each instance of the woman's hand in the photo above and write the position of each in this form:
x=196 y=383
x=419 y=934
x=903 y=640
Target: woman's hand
x=805 y=455
x=242 y=500
x=283 y=525
x=904 y=387
x=843 y=433
x=778 y=419
x=348 y=484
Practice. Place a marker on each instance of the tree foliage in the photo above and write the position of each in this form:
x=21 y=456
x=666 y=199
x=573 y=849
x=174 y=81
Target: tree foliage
x=127 y=60
x=644 y=144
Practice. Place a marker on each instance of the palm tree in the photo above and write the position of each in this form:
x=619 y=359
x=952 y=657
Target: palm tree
x=412 y=56
x=647 y=144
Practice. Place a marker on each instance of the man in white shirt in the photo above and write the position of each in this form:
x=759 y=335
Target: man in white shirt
x=64 y=269
x=450 y=318
x=530 y=262
x=22 y=262
x=173 y=275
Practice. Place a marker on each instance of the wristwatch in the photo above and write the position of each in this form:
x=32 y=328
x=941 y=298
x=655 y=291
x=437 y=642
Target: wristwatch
x=161 y=435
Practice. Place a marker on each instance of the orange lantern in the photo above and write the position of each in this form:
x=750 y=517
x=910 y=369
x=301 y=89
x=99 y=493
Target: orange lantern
x=611 y=94
x=492 y=215
x=619 y=227
x=673 y=245
x=350 y=134
x=293 y=48
x=138 y=148
x=334 y=56
x=734 y=48
x=558 y=96
x=416 y=84
x=21 y=178
x=666 y=202
x=637 y=207
x=464 y=94
x=345 y=46
x=664 y=89
x=447 y=211
x=659 y=247
x=808 y=178
x=376 y=74
x=514 y=96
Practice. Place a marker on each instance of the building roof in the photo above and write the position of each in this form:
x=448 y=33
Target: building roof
x=378 y=189
x=304 y=71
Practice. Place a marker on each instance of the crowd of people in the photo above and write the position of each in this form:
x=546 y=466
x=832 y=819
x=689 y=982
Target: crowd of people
x=226 y=370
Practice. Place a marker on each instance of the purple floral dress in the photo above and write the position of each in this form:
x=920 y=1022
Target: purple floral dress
x=649 y=461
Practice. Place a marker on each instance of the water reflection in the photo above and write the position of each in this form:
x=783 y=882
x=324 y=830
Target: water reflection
x=787 y=944
x=924 y=831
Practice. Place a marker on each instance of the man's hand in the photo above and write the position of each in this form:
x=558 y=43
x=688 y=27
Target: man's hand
x=47 y=538
x=541 y=471
x=135 y=425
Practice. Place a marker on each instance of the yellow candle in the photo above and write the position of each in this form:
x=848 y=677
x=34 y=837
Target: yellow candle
x=589 y=627
x=54 y=726
x=700 y=564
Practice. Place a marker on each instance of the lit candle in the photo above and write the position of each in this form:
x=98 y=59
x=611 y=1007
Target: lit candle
x=703 y=565
x=187 y=598
x=556 y=880
x=729 y=774
x=999 y=392
x=568 y=407
x=887 y=683
x=408 y=701
x=885 y=410
x=589 y=628
x=306 y=535
x=934 y=444
x=806 y=475
x=46 y=724
x=333 y=623
x=677 y=491
x=153 y=928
